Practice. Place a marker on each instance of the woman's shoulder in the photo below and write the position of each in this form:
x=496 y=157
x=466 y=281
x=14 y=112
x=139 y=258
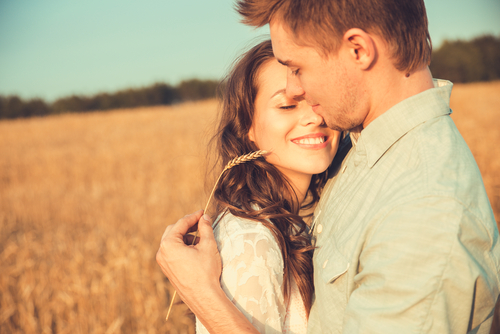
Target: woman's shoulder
x=236 y=235
x=230 y=226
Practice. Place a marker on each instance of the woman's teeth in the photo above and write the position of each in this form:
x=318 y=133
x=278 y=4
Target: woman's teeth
x=311 y=141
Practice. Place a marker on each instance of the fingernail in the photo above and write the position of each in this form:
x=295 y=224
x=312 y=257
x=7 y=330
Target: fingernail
x=207 y=217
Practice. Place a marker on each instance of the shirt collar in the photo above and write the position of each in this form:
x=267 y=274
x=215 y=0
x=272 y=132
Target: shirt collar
x=389 y=127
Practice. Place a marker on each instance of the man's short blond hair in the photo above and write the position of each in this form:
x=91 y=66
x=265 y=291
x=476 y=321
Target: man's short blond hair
x=401 y=23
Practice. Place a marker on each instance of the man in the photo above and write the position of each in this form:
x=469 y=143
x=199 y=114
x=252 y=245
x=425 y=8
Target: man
x=406 y=239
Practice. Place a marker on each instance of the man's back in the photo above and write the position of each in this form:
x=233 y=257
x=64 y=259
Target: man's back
x=406 y=237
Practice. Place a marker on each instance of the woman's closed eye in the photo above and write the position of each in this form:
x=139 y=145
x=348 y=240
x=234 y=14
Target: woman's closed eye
x=289 y=106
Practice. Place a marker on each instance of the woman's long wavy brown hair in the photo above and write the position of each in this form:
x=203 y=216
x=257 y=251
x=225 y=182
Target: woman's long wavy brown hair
x=258 y=190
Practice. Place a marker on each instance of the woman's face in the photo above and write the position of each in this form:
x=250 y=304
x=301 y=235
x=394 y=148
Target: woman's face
x=300 y=143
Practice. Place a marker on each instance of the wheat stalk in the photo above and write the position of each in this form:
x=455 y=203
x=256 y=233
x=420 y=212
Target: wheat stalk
x=233 y=163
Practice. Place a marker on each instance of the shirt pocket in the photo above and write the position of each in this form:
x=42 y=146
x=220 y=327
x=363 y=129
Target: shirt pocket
x=332 y=263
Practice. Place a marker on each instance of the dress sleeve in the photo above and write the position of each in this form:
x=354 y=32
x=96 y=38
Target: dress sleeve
x=252 y=278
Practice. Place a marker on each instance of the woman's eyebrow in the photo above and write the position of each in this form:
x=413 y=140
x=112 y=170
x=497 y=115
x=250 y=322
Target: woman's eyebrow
x=279 y=92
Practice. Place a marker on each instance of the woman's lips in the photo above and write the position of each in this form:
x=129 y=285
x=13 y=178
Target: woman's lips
x=312 y=141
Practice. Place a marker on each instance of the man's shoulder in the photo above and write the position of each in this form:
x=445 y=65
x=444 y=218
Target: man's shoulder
x=438 y=153
x=433 y=164
x=430 y=160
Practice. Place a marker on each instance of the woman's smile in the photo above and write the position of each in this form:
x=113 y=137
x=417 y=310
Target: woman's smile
x=300 y=143
x=313 y=141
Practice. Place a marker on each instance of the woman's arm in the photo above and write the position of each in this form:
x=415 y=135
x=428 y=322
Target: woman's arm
x=194 y=271
x=252 y=274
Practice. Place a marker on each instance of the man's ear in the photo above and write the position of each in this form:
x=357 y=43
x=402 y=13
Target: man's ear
x=361 y=46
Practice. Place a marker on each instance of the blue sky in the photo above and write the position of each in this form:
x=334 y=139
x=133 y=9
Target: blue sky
x=54 y=48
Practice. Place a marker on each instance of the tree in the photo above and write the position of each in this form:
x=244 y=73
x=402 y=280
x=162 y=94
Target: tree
x=468 y=61
x=194 y=89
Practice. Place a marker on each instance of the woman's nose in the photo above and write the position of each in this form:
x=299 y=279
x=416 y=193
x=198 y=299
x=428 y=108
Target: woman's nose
x=309 y=116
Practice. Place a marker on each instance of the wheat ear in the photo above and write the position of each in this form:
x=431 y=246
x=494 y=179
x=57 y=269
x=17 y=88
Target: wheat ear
x=233 y=163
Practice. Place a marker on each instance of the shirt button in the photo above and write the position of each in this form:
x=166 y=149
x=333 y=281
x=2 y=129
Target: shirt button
x=319 y=228
x=324 y=264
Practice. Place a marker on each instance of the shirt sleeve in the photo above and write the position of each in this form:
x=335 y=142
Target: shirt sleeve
x=252 y=278
x=427 y=267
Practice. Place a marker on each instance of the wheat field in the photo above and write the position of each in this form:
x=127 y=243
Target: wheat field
x=85 y=198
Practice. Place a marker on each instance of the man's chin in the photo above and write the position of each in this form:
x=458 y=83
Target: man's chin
x=342 y=125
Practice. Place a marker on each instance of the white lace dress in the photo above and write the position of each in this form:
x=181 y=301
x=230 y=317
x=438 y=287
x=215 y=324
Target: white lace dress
x=252 y=277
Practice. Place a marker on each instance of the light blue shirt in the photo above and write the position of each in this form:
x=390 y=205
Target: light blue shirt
x=406 y=238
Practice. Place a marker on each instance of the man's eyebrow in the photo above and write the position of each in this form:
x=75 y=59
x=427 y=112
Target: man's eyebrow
x=284 y=62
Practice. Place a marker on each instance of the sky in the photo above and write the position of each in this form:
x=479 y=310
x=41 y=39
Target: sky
x=55 y=48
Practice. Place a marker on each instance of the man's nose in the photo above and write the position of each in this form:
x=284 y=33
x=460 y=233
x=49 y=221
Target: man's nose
x=293 y=87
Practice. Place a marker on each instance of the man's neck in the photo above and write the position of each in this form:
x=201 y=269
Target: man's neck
x=393 y=87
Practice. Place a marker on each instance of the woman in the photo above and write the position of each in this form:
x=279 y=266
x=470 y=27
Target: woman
x=264 y=247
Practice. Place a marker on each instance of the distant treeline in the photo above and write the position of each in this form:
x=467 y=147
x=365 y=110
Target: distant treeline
x=458 y=61
x=468 y=61
x=157 y=94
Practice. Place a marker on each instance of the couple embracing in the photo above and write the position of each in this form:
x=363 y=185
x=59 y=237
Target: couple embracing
x=403 y=239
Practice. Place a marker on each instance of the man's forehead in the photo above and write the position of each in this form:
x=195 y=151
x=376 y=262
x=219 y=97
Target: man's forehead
x=282 y=43
x=287 y=45
x=279 y=32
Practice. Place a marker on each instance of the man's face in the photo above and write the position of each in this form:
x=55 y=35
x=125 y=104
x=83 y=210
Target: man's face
x=329 y=85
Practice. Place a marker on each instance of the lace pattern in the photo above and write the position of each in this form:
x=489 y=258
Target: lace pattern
x=252 y=277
